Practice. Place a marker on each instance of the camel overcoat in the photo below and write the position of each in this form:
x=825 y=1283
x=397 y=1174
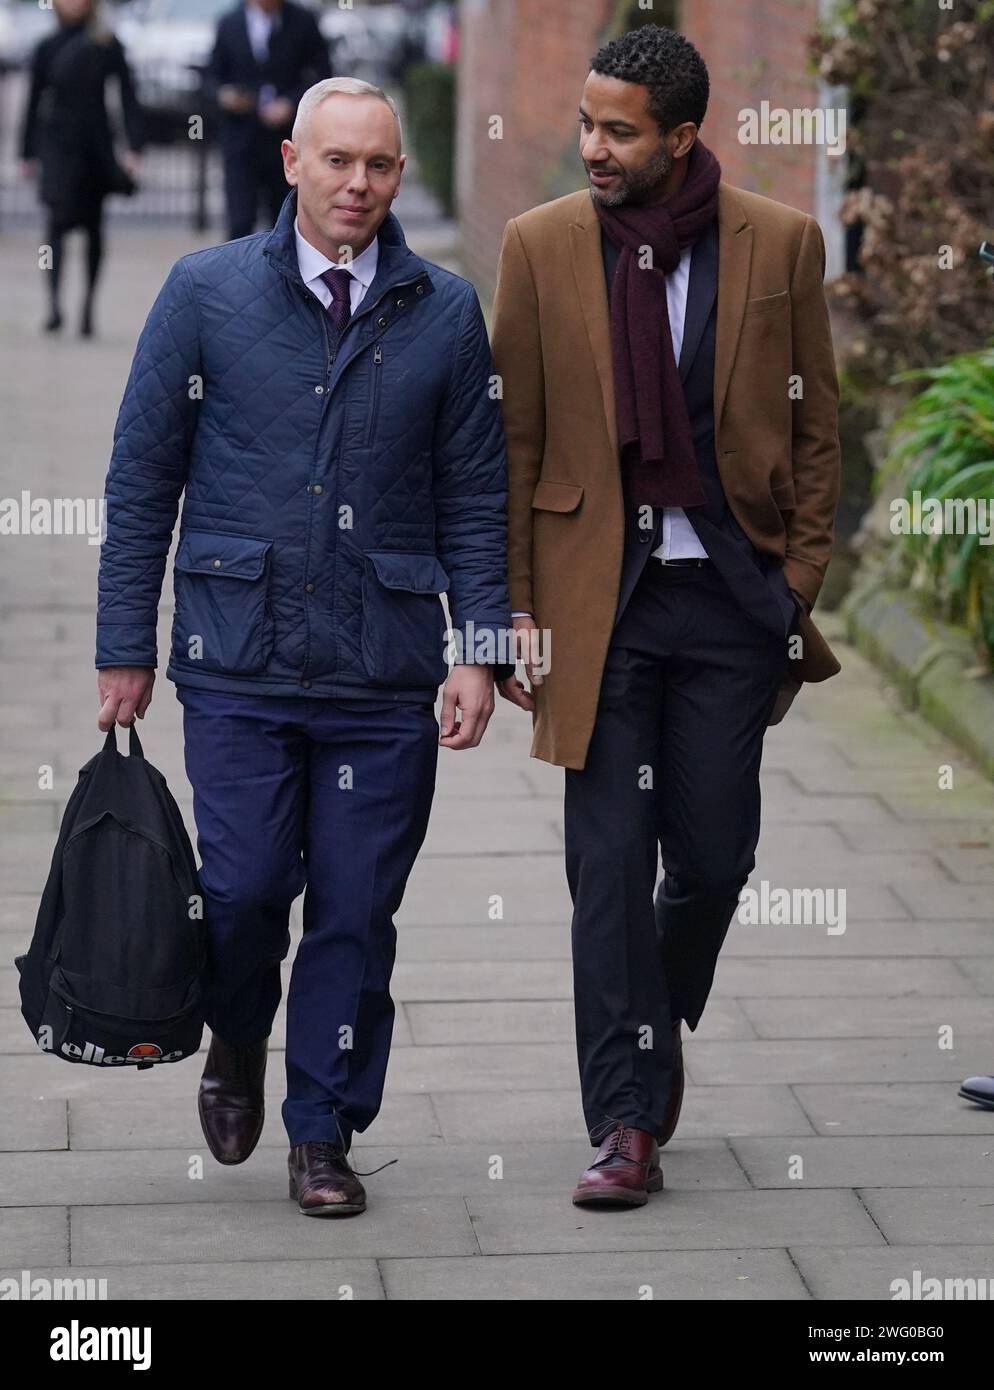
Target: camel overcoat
x=776 y=430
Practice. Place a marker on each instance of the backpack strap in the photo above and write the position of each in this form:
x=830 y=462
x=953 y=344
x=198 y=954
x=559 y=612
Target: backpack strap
x=134 y=743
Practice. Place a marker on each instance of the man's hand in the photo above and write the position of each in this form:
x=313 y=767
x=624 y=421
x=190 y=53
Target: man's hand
x=125 y=694
x=785 y=698
x=472 y=689
x=511 y=688
x=238 y=100
x=277 y=113
x=805 y=606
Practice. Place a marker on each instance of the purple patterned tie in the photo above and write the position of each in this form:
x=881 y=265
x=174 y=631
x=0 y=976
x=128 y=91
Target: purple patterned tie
x=340 y=308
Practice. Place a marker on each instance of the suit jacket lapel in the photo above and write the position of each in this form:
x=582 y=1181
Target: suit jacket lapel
x=735 y=235
x=242 y=29
x=588 y=272
x=701 y=292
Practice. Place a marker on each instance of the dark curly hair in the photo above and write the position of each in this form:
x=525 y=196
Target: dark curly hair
x=665 y=62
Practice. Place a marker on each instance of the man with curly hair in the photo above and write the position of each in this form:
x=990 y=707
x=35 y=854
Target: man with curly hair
x=670 y=402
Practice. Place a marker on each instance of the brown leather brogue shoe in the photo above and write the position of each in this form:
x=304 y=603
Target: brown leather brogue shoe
x=675 y=1100
x=230 y=1102
x=624 y=1172
x=322 y=1181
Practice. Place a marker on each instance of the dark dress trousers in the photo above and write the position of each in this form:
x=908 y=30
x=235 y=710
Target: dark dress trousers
x=297 y=58
x=696 y=659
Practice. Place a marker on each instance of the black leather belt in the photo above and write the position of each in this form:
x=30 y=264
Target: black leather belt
x=696 y=560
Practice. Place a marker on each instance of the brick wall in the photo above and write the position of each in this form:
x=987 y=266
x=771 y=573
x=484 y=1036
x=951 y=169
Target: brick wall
x=756 y=50
x=526 y=60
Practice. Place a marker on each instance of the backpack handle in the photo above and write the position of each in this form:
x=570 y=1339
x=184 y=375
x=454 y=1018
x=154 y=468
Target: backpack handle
x=134 y=743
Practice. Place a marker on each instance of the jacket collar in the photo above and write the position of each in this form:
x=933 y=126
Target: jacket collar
x=396 y=264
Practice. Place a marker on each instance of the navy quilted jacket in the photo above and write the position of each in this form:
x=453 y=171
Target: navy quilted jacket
x=330 y=498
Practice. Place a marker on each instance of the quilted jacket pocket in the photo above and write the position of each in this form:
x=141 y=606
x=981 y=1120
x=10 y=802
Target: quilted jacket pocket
x=222 y=621
x=403 y=622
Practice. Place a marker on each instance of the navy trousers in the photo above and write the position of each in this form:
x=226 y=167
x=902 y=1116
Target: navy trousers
x=673 y=766
x=330 y=797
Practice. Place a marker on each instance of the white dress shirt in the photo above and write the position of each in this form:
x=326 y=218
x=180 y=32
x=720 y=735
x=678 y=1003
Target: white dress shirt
x=679 y=537
x=313 y=263
x=260 y=27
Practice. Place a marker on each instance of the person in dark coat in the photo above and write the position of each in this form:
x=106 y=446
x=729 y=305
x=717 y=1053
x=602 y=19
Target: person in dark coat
x=266 y=54
x=67 y=132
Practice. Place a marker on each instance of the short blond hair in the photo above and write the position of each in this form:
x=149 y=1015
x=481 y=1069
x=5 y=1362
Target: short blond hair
x=332 y=86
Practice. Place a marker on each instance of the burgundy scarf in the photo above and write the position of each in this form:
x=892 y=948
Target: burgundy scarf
x=657 y=448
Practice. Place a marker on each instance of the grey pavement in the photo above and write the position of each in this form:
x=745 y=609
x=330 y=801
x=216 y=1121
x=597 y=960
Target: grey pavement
x=823 y=1150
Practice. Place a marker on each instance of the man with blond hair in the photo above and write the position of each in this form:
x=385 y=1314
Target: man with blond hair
x=320 y=395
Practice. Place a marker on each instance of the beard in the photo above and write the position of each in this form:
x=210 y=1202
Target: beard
x=642 y=185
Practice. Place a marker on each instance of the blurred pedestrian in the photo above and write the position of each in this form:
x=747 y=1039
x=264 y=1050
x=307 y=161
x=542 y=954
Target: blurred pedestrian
x=67 y=134
x=266 y=54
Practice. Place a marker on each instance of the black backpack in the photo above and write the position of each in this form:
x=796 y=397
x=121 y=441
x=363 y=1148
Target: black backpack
x=114 y=973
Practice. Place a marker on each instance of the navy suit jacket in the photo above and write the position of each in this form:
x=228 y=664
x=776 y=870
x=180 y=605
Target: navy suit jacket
x=297 y=58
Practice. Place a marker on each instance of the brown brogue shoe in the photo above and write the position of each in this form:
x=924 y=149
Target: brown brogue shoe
x=230 y=1102
x=624 y=1172
x=675 y=1100
x=322 y=1181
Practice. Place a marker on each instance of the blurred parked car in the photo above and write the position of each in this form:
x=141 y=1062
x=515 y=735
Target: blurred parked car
x=167 y=43
x=368 y=42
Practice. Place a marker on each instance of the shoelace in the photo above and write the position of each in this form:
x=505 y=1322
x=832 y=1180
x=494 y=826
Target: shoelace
x=329 y=1151
x=617 y=1145
x=620 y=1143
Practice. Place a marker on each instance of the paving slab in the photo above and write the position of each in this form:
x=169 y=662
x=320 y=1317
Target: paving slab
x=882 y=1273
x=892 y=1108
x=933 y=1215
x=219 y=1232
x=907 y=1161
x=828 y=1059
x=880 y=1017
x=324 y=1280
x=732 y=1275
x=672 y=1220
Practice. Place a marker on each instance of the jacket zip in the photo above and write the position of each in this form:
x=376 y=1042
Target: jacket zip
x=374 y=392
x=330 y=358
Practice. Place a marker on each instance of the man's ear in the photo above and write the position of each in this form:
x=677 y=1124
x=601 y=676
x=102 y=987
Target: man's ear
x=290 y=158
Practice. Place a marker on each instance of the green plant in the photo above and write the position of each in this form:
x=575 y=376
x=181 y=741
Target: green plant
x=943 y=451
x=431 y=99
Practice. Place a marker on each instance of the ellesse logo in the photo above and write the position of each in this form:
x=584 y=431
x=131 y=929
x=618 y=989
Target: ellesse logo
x=140 y=1052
